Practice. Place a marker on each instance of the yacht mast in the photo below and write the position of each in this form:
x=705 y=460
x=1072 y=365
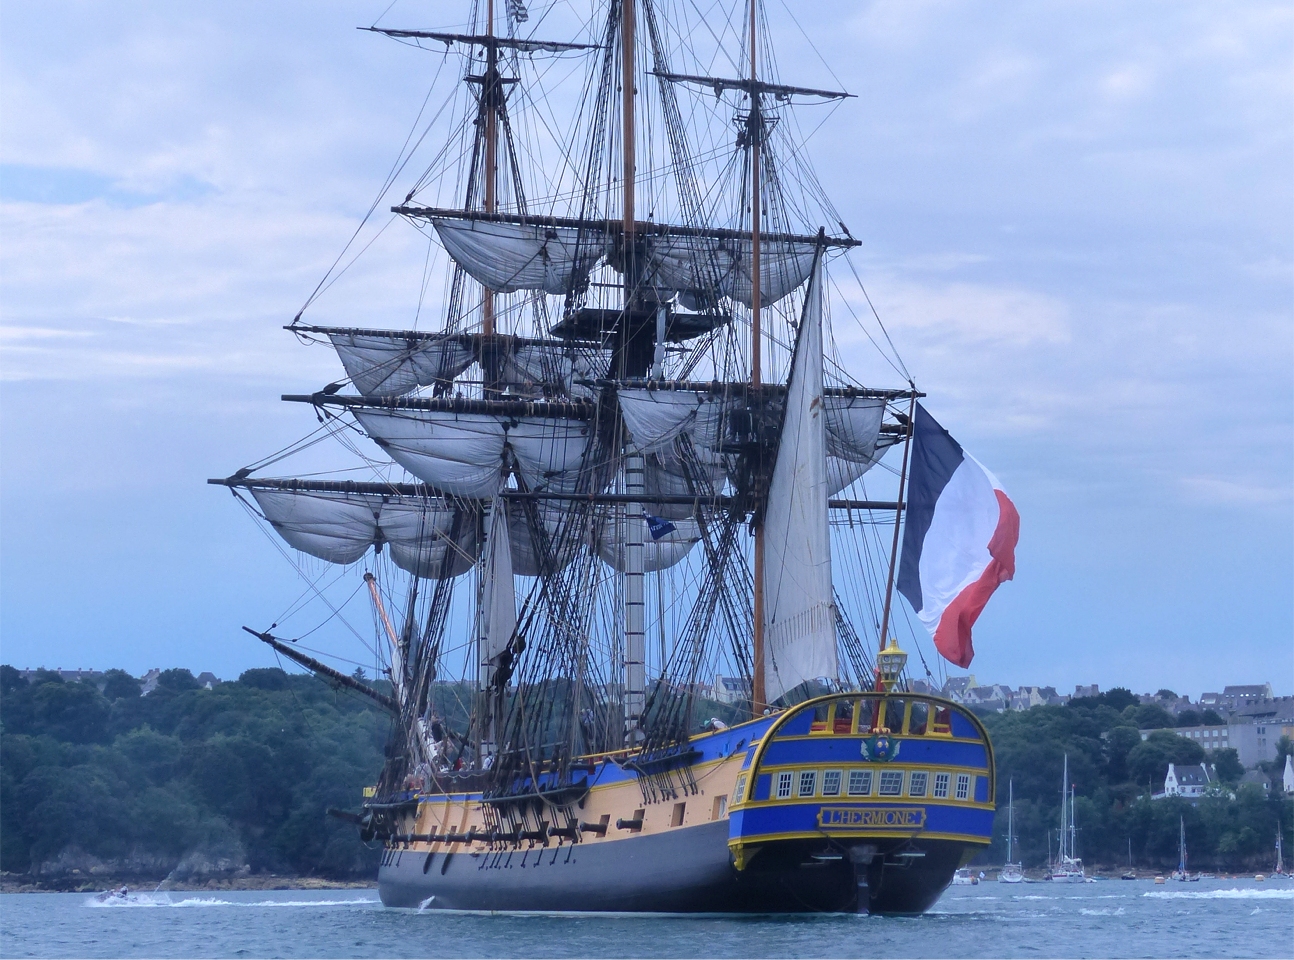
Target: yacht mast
x=1010 y=818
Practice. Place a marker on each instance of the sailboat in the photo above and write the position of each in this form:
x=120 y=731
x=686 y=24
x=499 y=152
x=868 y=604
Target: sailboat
x=628 y=409
x=1130 y=873
x=1181 y=872
x=1280 y=859
x=1067 y=868
x=1011 y=871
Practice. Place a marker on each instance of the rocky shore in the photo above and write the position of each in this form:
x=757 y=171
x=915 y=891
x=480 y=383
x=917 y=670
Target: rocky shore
x=23 y=883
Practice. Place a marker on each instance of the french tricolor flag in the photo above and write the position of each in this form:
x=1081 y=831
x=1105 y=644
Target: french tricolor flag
x=959 y=539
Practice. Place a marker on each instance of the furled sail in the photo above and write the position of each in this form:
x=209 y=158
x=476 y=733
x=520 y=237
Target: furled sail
x=854 y=441
x=676 y=426
x=658 y=553
x=389 y=365
x=539 y=370
x=506 y=257
x=800 y=616
x=430 y=538
x=553 y=538
x=464 y=453
x=705 y=268
x=497 y=609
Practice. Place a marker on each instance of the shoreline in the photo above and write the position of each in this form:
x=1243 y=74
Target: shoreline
x=11 y=883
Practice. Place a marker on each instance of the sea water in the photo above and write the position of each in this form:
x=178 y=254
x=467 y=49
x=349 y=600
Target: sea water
x=1218 y=918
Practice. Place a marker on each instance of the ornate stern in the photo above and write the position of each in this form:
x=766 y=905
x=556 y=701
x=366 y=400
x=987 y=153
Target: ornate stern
x=897 y=787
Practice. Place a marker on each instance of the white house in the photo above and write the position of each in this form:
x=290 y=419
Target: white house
x=1288 y=780
x=1189 y=781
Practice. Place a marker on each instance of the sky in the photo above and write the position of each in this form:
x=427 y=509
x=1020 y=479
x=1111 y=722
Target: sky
x=1077 y=223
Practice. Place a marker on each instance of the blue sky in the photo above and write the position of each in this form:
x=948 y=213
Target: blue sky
x=1076 y=222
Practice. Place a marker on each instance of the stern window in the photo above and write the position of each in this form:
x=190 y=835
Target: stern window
x=844 y=721
x=943 y=722
x=941 y=785
x=808 y=783
x=784 y=785
x=740 y=790
x=860 y=783
x=963 y=786
x=917 y=719
x=891 y=783
x=831 y=783
x=917 y=783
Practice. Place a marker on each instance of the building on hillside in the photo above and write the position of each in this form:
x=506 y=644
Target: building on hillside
x=1190 y=780
x=1253 y=742
x=148 y=682
x=1237 y=696
x=79 y=675
x=207 y=680
x=955 y=687
x=1027 y=697
x=1287 y=781
x=1258 y=779
x=992 y=696
x=1086 y=690
x=730 y=689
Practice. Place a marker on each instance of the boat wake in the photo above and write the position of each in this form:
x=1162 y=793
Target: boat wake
x=1232 y=894
x=165 y=900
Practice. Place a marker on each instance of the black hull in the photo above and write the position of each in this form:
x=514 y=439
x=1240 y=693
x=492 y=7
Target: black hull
x=687 y=870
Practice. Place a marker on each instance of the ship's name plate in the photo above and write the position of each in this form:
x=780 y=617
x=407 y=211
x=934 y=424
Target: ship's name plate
x=858 y=818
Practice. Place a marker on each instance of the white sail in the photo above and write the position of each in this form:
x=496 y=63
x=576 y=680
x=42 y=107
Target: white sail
x=705 y=267
x=549 y=451
x=658 y=554
x=517 y=256
x=388 y=365
x=337 y=527
x=800 y=616
x=464 y=453
x=554 y=541
x=429 y=538
x=660 y=420
x=498 y=606
x=854 y=442
x=424 y=536
x=537 y=370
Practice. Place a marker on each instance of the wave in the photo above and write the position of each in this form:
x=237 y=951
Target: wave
x=164 y=900
x=1102 y=912
x=1232 y=894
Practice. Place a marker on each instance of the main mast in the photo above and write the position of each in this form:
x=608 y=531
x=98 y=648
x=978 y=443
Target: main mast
x=635 y=656
x=758 y=692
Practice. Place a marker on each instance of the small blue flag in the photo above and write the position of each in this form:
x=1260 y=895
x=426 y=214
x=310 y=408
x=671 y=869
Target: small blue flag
x=658 y=526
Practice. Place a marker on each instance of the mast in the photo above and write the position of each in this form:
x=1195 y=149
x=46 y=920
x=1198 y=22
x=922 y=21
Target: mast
x=1010 y=817
x=898 y=516
x=758 y=692
x=635 y=655
x=489 y=92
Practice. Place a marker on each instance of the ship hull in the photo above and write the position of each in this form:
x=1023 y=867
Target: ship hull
x=690 y=870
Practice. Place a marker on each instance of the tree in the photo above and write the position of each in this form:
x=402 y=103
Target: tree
x=1189 y=718
x=1148 y=761
x=1210 y=718
x=1151 y=716
x=10 y=680
x=177 y=680
x=1165 y=694
x=119 y=684
x=1227 y=765
x=1118 y=743
x=1120 y=698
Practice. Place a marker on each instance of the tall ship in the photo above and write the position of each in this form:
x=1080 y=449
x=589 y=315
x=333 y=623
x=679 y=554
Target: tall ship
x=609 y=509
